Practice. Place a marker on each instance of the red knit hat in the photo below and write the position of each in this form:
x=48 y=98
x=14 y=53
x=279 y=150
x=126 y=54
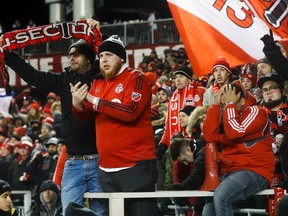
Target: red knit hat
x=222 y=62
x=52 y=95
x=252 y=77
x=48 y=120
x=7 y=146
x=26 y=144
x=35 y=105
x=20 y=131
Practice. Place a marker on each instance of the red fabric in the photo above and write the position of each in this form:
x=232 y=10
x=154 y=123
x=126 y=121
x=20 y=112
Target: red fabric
x=238 y=143
x=57 y=178
x=191 y=95
x=53 y=32
x=125 y=133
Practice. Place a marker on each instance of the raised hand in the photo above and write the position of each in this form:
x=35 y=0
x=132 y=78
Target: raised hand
x=268 y=40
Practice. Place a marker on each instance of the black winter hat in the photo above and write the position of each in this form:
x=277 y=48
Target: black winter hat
x=48 y=185
x=4 y=187
x=75 y=209
x=85 y=49
x=184 y=70
x=114 y=45
x=271 y=77
x=187 y=110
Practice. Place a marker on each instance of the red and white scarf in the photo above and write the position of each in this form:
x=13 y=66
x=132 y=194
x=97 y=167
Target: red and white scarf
x=47 y=33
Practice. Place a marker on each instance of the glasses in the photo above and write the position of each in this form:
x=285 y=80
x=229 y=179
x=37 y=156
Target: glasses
x=271 y=89
x=74 y=54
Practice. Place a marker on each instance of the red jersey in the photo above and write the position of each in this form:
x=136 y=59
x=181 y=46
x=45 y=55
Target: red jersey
x=124 y=133
x=246 y=140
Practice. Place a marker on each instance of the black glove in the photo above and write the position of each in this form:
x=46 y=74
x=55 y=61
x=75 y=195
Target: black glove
x=161 y=149
x=268 y=40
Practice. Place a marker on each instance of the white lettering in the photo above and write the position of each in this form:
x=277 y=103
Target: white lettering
x=34 y=33
x=22 y=37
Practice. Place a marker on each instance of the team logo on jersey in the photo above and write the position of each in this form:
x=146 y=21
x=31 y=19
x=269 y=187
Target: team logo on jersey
x=136 y=96
x=119 y=88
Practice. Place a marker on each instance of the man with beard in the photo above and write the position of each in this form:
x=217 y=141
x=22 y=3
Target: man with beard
x=276 y=105
x=80 y=172
x=121 y=102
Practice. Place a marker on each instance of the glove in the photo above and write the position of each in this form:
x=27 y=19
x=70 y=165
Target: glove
x=161 y=149
x=268 y=40
x=25 y=177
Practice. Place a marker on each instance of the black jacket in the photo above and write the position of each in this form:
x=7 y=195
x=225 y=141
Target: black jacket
x=79 y=135
x=278 y=61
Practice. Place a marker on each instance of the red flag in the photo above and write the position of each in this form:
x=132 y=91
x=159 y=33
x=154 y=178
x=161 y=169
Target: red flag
x=228 y=28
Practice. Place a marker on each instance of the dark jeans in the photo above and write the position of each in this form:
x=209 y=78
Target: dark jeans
x=140 y=178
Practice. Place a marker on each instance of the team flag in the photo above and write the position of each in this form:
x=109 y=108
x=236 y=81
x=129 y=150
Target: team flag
x=227 y=28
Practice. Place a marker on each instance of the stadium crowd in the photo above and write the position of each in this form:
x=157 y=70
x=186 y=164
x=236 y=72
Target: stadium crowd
x=32 y=148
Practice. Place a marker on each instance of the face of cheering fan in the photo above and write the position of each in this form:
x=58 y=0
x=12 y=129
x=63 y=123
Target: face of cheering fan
x=79 y=63
x=110 y=64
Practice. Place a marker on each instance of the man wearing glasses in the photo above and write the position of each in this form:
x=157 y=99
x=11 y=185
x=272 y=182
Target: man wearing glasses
x=275 y=103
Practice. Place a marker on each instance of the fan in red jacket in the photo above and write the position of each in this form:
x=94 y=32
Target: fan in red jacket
x=121 y=102
x=242 y=130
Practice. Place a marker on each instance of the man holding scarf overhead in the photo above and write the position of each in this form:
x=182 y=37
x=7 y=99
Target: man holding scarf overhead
x=80 y=173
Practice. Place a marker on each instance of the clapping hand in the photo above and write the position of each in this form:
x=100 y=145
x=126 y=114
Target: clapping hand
x=78 y=94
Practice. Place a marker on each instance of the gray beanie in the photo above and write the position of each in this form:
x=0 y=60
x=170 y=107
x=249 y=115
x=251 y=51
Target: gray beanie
x=85 y=49
x=114 y=45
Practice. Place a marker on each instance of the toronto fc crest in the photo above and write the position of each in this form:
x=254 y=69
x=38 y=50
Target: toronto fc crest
x=119 y=88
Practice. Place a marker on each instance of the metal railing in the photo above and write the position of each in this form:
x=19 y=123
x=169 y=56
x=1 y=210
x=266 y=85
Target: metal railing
x=27 y=201
x=133 y=33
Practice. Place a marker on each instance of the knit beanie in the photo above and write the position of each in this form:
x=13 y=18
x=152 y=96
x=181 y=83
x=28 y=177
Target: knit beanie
x=26 y=144
x=271 y=77
x=85 y=49
x=52 y=141
x=251 y=77
x=75 y=209
x=187 y=110
x=114 y=45
x=7 y=146
x=222 y=62
x=184 y=70
x=265 y=61
x=48 y=185
x=4 y=187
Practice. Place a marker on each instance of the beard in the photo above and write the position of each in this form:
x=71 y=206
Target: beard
x=270 y=104
x=114 y=70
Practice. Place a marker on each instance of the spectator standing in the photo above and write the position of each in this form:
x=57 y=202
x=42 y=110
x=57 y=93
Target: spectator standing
x=6 y=159
x=245 y=140
x=275 y=103
x=264 y=67
x=121 y=103
x=18 y=167
x=277 y=53
x=6 y=204
x=31 y=24
x=188 y=92
x=222 y=74
x=16 y=25
x=80 y=173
